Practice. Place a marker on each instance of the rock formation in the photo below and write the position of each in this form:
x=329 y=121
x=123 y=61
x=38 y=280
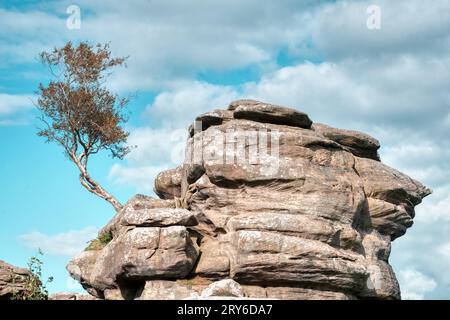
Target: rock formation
x=70 y=296
x=267 y=204
x=12 y=280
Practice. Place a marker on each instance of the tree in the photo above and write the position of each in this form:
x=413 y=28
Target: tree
x=79 y=112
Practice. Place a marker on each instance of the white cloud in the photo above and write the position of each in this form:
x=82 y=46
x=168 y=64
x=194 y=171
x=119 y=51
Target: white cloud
x=16 y=122
x=444 y=250
x=351 y=94
x=178 y=107
x=11 y=104
x=62 y=244
x=447 y=120
x=339 y=31
x=415 y=285
x=423 y=248
x=28 y=34
x=154 y=150
x=142 y=178
x=437 y=210
x=168 y=41
x=421 y=157
x=362 y=93
x=156 y=145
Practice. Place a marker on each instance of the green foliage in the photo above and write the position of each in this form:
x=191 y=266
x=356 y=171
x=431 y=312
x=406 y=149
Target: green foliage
x=34 y=288
x=100 y=242
x=105 y=238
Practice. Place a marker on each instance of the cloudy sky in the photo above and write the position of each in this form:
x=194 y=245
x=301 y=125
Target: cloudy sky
x=327 y=58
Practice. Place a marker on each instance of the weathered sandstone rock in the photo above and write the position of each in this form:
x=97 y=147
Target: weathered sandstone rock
x=358 y=143
x=70 y=296
x=145 y=253
x=158 y=217
x=81 y=269
x=263 y=112
x=168 y=184
x=165 y=290
x=266 y=205
x=223 y=288
x=12 y=280
x=138 y=202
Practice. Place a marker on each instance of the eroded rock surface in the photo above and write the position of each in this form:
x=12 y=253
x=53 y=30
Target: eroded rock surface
x=70 y=296
x=266 y=205
x=12 y=280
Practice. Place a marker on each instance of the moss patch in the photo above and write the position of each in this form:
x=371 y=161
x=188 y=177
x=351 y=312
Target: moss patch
x=100 y=242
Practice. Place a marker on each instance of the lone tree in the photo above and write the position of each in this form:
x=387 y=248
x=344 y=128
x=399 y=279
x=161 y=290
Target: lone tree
x=79 y=112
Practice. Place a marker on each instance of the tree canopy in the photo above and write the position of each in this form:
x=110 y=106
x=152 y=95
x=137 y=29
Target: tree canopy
x=79 y=112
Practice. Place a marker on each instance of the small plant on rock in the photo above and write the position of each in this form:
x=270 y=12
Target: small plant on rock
x=34 y=287
x=99 y=243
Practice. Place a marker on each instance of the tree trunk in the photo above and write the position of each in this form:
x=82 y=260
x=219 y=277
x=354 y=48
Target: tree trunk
x=92 y=186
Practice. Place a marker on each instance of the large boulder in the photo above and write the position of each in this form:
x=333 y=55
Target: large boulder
x=145 y=253
x=138 y=202
x=12 y=280
x=267 y=204
x=81 y=268
x=168 y=184
x=265 y=112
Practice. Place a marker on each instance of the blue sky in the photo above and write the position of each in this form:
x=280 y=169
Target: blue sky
x=189 y=57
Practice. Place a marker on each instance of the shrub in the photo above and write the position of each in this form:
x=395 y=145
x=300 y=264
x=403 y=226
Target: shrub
x=34 y=288
x=100 y=242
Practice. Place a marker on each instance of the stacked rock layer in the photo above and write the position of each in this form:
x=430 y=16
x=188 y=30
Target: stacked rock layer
x=267 y=204
x=13 y=280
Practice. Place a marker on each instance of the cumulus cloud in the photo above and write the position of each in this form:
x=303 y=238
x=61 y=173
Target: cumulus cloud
x=415 y=284
x=154 y=150
x=363 y=94
x=338 y=30
x=382 y=98
x=141 y=177
x=13 y=109
x=15 y=122
x=10 y=103
x=62 y=244
x=177 y=107
x=168 y=40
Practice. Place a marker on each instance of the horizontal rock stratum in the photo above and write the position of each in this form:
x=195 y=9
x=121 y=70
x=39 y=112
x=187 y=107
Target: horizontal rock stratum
x=13 y=280
x=267 y=204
